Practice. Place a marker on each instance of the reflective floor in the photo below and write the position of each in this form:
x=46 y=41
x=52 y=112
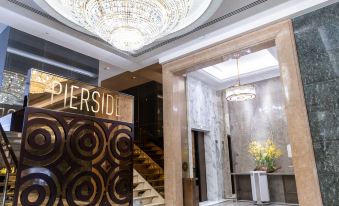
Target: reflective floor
x=231 y=203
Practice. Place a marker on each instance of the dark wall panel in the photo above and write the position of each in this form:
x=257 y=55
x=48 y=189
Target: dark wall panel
x=37 y=46
x=317 y=39
x=4 y=35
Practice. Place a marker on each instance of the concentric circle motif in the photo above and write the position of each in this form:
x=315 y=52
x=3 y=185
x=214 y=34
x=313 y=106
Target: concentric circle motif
x=120 y=144
x=38 y=189
x=74 y=160
x=85 y=188
x=119 y=186
x=44 y=141
x=86 y=142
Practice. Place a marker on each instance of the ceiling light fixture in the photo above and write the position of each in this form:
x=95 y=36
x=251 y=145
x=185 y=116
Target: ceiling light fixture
x=126 y=24
x=12 y=89
x=41 y=82
x=240 y=92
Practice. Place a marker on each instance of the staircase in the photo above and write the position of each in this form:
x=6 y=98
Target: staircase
x=155 y=153
x=144 y=194
x=10 y=143
x=149 y=170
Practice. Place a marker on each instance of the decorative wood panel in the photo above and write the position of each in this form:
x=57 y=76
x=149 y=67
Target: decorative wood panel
x=71 y=159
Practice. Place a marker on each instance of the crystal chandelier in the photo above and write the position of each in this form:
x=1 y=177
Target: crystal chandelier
x=41 y=82
x=126 y=24
x=12 y=89
x=240 y=92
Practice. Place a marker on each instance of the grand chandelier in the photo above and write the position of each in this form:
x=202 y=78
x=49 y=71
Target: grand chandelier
x=126 y=24
x=240 y=92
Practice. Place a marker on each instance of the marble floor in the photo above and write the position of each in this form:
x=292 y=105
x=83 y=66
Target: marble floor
x=231 y=203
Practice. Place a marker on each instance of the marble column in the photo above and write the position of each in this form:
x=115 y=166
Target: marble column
x=317 y=40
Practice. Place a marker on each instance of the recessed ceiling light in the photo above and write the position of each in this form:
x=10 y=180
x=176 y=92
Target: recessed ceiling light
x=107 y=68
x=249 y=63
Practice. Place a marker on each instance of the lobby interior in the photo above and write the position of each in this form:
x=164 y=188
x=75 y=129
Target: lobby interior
x=169 y=102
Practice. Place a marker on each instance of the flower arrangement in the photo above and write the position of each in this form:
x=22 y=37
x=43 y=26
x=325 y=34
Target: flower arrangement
x=265 y=155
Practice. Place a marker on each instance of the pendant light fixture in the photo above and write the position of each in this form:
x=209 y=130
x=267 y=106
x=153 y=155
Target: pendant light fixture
x=240 y=92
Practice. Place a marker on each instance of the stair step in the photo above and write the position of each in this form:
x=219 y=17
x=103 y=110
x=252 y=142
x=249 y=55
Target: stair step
x=8 y=184
x=152 y=150
x=141 y=190
x=155 y=204
x=145 y=197
x=139 y=159
x=137 y=183
x=159 y=187
x=157 y=155
x=150 y=174
x=143 y=164
x=11 y=174
x=157 y=180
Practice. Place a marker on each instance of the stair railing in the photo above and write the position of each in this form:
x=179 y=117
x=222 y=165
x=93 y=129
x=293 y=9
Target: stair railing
x=5 y=143
x=6 y=146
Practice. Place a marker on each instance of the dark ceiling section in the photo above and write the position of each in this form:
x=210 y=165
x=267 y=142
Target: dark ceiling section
x=128 y=80
x=39 y=47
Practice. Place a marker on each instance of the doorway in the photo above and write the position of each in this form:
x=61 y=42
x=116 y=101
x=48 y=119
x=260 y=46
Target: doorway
x=199 y=165
x=175 y=110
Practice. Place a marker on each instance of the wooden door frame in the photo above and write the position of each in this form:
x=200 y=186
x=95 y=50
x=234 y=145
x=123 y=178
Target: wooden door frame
x=175 y=111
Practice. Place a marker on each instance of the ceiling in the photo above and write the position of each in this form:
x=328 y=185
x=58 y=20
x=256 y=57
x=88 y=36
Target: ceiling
x=254 y=66
x=224 y=19
x=128 y=79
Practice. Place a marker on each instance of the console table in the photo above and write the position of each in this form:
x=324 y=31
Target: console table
x=282 y=187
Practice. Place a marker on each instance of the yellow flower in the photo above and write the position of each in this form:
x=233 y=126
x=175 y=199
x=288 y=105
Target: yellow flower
x=264 y=154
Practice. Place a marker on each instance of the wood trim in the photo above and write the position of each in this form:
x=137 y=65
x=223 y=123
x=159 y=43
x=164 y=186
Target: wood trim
x=175 y=117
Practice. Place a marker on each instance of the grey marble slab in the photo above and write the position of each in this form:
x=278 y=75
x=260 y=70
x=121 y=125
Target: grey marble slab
x=205 y=113
x=320 y=66
x=329 y=186
x=317 y=40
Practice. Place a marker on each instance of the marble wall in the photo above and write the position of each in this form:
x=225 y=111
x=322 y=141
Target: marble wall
x=317 y=40
x=205 y=113
x=259 y=119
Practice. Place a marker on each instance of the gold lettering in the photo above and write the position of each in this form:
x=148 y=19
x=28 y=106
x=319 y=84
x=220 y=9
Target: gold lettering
x=117 y=106
x=72 y=97
x=103 y=103
x=54 y=84
x=11 y=111
x=65 y=98
x=96 y=102
x=107 y=104
x=83 y=99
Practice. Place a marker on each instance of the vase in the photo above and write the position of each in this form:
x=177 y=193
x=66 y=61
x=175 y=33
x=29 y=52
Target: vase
x=259 y=186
